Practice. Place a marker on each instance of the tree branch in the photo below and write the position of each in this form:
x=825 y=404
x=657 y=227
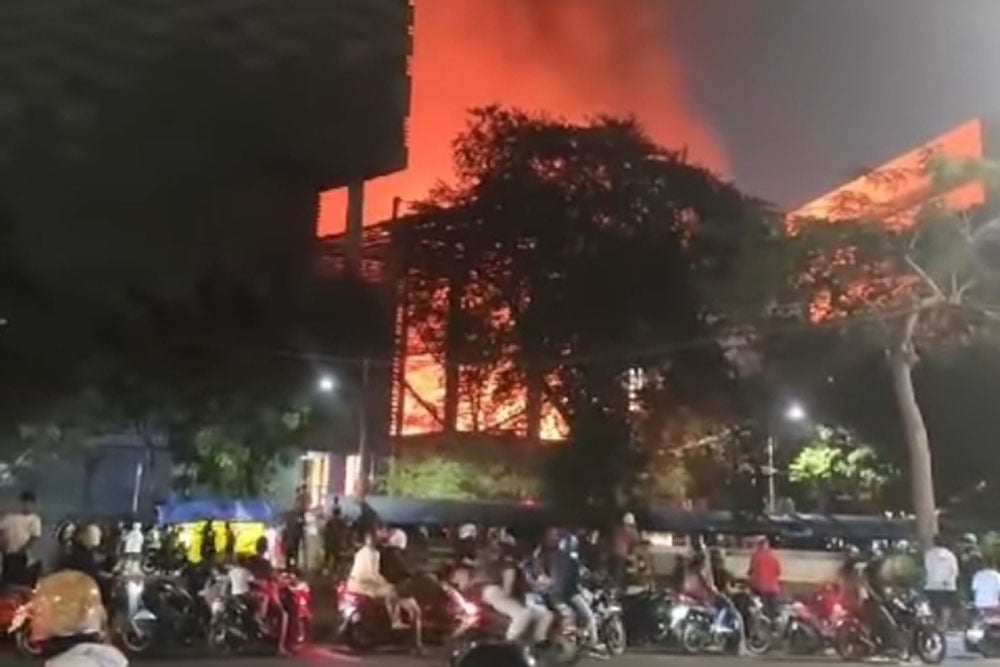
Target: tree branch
x=927 y=280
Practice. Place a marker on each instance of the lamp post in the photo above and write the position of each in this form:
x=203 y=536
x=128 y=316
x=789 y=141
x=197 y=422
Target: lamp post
x=327 y=384
x=794 y=413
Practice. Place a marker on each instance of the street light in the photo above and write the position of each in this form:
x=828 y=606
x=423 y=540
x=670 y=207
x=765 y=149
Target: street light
x=795 y=413
x=326 y=384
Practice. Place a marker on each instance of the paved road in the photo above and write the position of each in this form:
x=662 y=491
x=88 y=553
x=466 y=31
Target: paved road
x=321 y=657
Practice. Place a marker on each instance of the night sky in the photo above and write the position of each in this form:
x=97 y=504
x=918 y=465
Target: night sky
x=790 y=98
x=805 y=93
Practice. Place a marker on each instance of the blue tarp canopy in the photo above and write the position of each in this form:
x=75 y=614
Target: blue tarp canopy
x=217 y=510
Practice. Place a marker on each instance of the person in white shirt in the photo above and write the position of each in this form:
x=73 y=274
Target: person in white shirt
x=19 y=532
x=985 y=586
x=941 y=581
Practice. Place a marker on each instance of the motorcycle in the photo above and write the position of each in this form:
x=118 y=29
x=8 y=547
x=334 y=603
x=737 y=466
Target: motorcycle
x=699 y=628
x=804 y=627
x=983 y=633
x=759 y=630
x=607 y=609
x=365 y=624
x=157 y=610
x=235 y=626
x=912 y=622
x=647 y=617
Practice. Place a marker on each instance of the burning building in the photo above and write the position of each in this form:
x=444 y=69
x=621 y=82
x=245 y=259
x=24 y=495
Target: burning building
x=894 y=190
x=570 y=59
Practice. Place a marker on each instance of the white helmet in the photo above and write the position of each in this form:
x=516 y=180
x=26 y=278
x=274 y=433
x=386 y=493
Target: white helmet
x=467 y=531
x=628 y=519
x=397 y=539
x=89 y=536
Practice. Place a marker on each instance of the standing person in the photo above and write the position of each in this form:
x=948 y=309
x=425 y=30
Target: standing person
x=764 y=575
x=941 y=580
x=334 y=536
x=623 y=543
x=20 y=532
x=295 y=528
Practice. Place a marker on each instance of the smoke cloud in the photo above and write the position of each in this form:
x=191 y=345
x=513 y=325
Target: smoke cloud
x=571 y=58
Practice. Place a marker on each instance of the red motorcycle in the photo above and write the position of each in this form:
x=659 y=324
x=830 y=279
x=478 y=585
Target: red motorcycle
x=804 y=627
x=811 y=624
x=443 y=612
x=235 y=628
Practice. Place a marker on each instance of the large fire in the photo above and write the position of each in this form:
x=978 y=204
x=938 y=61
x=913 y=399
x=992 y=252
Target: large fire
x=570 y=58
x=573 y=58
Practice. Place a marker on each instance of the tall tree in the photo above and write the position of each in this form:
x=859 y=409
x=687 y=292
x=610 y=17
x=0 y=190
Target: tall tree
x=565 y=256
x=909 y=280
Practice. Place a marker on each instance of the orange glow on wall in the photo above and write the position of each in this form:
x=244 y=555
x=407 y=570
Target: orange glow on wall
x=570 y=58
x=893 y=191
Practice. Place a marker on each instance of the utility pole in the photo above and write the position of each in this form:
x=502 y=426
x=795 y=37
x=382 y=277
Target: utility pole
x=364 y=463
x=771 y=487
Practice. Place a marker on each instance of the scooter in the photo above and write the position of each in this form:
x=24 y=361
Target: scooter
x=983 y=633
x=699 y=628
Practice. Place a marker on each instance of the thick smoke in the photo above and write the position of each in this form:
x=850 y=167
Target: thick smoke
x=573 y=58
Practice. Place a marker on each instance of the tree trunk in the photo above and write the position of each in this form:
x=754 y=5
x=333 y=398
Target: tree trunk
x=901 y=362
x=453 y=340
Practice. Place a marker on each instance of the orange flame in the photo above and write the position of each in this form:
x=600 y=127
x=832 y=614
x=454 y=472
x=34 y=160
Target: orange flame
x=566 y=57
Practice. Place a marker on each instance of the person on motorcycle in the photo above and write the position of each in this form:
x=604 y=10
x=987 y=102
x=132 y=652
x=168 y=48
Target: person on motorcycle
x=67 y=607
x=400 y=575
x=85 y=556
x=849 y=581
x=875 y=605
x=700 y=585
x=500 y=584
x=366 y=579
x=565 y=592
x=721 y=576
x=268 y=591
x=467 y=545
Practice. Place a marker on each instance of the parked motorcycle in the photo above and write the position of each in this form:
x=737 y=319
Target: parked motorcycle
x=760 y=631
x=804 y=627
x=157 y=610
x=983 y=633
x=647 y=617
x=699 y=628
x=909 y=615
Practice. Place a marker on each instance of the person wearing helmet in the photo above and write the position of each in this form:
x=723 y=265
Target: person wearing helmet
x=68 y=606
x=467 y=545
x=565 y=591
x=399 y=574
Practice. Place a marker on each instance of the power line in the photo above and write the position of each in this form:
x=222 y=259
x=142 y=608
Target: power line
x=647 y=352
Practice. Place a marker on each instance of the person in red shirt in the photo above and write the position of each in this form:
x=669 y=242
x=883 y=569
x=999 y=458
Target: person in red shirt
x=765 y=575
